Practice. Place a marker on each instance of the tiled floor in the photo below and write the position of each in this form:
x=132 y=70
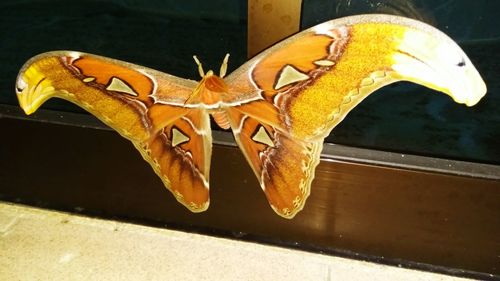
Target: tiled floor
x=37 y=244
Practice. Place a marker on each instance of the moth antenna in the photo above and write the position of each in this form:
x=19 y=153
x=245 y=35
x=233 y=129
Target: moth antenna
x=223 y=67
x=200 y=67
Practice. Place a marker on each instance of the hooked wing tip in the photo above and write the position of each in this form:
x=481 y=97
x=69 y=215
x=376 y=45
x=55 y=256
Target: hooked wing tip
x=434 y=60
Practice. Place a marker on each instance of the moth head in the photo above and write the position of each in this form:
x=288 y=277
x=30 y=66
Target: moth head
x=222 y=71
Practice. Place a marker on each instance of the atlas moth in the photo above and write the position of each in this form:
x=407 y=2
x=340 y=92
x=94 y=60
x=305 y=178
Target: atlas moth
x=280 y=105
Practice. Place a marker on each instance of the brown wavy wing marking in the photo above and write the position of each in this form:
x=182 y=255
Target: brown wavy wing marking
x=283 y=165
x=180 y=155
x=180 y=150
x=132 y=82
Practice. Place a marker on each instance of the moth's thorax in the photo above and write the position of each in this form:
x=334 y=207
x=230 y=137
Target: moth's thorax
x=210 y=91
x=215 y=84
x=215 y=91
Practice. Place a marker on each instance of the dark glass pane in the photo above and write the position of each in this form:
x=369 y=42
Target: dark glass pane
x=165 y=34
x=405 y=117
x=159 y=34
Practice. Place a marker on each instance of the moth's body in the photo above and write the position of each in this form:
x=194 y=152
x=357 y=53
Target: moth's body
x=280 y=105
x=211 y=94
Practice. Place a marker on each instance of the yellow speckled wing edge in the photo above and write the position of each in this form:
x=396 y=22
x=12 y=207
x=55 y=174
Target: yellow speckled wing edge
x=137 y=103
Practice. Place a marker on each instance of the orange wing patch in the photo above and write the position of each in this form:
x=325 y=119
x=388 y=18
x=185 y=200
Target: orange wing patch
x=116 y=77
x=300 y=54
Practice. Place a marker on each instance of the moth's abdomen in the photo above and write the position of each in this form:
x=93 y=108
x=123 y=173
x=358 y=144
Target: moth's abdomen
x=221 y=119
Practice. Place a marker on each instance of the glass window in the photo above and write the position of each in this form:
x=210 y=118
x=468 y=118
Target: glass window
x=163 y=35
x=405 y=117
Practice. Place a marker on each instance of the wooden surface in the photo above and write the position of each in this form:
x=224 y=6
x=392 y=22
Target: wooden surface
x=392 y=214
x=270 y=21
